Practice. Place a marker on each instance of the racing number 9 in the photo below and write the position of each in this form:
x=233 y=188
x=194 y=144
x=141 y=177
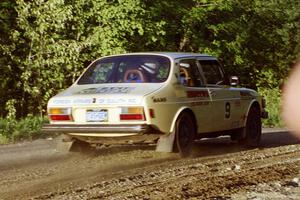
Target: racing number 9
x=227 y=110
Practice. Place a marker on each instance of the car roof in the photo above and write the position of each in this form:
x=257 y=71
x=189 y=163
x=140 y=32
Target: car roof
x=173 y=55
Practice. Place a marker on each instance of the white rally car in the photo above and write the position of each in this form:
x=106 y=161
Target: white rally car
x=166 y=98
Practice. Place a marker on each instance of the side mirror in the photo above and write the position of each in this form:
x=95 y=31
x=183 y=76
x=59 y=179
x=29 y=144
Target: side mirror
x=234 y=80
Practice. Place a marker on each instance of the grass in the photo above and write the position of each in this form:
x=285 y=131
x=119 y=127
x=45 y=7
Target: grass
x=28 y=128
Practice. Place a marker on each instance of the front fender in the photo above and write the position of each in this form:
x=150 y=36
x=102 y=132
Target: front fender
x=252 y=103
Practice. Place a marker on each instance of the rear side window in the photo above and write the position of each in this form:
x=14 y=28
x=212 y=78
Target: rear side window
x=189 y=73
x=212 y=72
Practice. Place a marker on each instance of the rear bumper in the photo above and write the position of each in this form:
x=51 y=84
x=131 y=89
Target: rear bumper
x=97 y=129
x=105 y=134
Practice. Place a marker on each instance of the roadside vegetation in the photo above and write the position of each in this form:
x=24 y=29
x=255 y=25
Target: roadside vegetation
x=46 y=44
x=22 y=129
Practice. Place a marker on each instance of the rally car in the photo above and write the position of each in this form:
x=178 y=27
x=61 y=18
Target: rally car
x=170 y=99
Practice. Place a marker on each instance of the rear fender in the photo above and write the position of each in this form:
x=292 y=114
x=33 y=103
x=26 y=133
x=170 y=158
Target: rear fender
x=176 y=116
x=166 y=142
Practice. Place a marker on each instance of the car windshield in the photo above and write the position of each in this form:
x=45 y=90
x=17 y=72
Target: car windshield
x=127 y=69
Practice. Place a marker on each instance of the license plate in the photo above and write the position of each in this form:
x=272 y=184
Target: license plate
x=96 y=115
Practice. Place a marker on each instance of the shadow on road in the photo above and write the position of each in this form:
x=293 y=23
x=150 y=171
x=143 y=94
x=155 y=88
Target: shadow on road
x=210 y=147
x=223 y=145
x=276 y=139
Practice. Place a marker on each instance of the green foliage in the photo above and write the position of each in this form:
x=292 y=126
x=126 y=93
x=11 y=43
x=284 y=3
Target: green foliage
x=48 y=43
x=6 y=128
x=249 y=36
x=27 y=128
x=11 y=110
x=269 y=84
x=3 y=139
x=273 y=99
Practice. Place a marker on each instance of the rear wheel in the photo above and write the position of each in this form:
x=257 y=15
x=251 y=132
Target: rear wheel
x=252 y=131
x=185 y=134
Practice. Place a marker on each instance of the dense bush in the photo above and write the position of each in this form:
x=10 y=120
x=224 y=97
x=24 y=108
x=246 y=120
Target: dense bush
x=15 y=130
x=273 y=98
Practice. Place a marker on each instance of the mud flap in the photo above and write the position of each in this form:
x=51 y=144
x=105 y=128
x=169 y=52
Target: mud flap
x=63 y=143
x=166 y=142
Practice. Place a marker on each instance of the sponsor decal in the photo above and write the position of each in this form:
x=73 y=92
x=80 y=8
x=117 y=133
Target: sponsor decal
x=200 y=103
x=106 y=90
x=82 y=101
x=195 y=94
x=117 y=101
x=87 y=101
x=158 y=100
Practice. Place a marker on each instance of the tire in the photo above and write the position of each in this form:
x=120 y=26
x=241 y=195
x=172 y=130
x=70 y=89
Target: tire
x=184 y=134
x=81 y=147
x=252 y=131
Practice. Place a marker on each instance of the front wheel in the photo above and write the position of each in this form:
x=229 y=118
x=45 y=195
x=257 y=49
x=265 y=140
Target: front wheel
x=185 y=134
x=252 y=131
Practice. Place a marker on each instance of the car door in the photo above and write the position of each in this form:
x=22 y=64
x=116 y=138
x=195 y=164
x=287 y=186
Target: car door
x=225 y=100
x=196 y=94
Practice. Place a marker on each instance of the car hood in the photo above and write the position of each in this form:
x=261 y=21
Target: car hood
x=106 y=94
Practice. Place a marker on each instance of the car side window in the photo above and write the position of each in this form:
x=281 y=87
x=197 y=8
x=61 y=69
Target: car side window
x=189 y=74
x=212 y=72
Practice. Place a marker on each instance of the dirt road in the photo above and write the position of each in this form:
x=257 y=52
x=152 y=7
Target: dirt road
x=218 y=169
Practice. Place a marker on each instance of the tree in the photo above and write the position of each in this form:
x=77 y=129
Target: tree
x=53 y=40
x=251 y=37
